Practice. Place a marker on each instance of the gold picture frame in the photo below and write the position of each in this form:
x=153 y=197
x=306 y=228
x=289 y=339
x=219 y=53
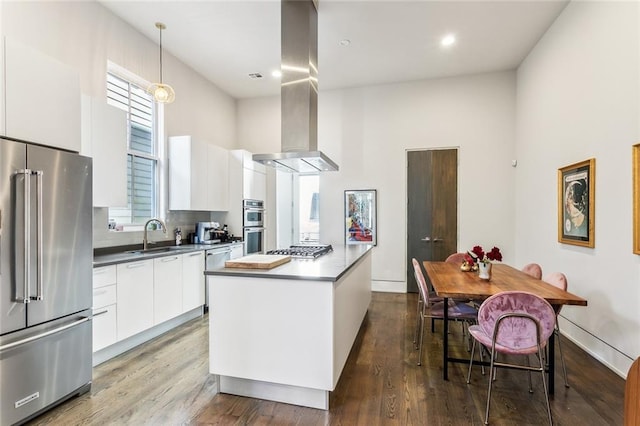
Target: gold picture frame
x=576 y=203
x=636 y=198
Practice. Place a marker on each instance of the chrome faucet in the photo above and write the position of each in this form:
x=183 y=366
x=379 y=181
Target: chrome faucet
x=145 y=240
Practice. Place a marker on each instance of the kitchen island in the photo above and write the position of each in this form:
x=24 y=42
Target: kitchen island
x=284 y=334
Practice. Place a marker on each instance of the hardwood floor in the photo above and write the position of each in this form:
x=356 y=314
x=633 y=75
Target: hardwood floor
x=166 y=382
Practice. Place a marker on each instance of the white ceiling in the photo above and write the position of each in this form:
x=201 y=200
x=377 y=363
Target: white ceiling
x=391 y=41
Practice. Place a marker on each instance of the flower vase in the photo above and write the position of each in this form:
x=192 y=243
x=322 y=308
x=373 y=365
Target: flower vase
x=484 y=270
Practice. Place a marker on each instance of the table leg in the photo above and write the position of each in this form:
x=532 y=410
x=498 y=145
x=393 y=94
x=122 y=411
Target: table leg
x=445 y=343
x=552 y=357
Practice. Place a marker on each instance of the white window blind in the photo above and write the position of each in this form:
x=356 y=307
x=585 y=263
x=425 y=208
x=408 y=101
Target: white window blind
x=142 y=156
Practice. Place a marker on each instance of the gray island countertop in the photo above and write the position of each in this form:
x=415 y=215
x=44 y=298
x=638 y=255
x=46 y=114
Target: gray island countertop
x=329 y=267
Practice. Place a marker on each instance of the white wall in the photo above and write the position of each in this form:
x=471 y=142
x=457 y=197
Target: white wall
x=85 y=35
x=578 y=98
x=367 y=131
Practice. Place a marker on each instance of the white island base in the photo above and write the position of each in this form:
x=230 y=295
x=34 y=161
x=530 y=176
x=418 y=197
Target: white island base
x=283 y=337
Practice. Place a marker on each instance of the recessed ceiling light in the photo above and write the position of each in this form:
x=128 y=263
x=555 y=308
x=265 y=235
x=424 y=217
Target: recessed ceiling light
x=276 y=73
x=448 y=40
x=344 y=42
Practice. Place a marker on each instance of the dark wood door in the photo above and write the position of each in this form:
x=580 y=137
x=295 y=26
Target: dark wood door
x=432 y=207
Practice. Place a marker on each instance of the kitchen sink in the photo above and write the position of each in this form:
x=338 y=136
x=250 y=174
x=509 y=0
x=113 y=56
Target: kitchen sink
x=155 y=250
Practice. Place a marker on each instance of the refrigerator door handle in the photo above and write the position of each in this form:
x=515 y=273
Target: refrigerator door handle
x=39 y=254
x=45 y=334
x=26 y=173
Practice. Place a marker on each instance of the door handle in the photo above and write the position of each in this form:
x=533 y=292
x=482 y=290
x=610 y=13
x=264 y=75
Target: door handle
x=427 y=239
x=39 y=252
x=437 y=240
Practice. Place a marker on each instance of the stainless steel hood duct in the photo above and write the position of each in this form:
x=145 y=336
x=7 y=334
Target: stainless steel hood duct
x=299 y=92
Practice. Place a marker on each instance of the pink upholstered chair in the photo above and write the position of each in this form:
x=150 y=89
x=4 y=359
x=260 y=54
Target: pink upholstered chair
x=533 y=269
x=514 y=323
x=456 y=311
x=456 y=258
x=559 y=280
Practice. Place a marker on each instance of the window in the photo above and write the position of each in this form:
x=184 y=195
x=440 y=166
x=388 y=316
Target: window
x=308 y=211
x=142 y=155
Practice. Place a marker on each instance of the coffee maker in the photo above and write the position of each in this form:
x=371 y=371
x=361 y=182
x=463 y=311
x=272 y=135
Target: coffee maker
x=210 y=233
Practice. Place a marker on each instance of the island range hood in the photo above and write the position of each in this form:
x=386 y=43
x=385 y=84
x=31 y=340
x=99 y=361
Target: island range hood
x=299 y=93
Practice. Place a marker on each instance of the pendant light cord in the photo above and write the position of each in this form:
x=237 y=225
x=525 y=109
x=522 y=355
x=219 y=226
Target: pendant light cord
x=160 y=55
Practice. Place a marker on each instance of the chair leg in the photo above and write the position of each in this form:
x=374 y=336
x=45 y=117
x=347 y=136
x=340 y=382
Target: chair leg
x=564 y=366
x=421 y=337
x=473 y=348
x=491 y=373
x=526 y=360
x=544 y=384
x=415 y=337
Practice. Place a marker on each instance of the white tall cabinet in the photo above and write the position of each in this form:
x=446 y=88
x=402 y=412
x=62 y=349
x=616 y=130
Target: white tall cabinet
x=41 y=98
x=198 y=175
x=247 y=180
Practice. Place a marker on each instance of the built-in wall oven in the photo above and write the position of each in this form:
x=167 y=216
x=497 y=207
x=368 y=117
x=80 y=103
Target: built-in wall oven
x=253 y=231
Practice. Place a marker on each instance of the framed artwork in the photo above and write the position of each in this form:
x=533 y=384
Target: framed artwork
x=576 y=203
x=636 y=198
x=360 y=217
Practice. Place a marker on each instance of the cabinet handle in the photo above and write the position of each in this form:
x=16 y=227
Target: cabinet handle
x=136 y=265
x=95 y=314
x=194 y=254
x=169 y=259
x=98 y=271
x=99 y=292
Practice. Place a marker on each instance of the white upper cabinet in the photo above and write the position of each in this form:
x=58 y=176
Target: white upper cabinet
x=104 y=137
x=42 y=98
x=247 y=176
x=198 y=175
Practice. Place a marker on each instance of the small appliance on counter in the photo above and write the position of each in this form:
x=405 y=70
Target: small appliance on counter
x=210 y=233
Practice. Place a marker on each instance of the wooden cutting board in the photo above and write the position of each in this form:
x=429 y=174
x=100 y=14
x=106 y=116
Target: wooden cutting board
x=258 y=261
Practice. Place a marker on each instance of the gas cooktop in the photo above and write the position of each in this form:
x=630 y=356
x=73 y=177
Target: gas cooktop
x=304 y=251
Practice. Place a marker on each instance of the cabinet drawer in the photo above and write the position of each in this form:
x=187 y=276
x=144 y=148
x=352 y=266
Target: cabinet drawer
x=104 y=327
x=104 y=275
x=104 y=296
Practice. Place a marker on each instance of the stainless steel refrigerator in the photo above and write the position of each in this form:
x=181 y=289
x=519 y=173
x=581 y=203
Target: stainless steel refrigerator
x=45 y=278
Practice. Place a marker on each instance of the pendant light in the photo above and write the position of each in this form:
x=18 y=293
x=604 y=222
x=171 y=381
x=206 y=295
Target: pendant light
x=162 y=93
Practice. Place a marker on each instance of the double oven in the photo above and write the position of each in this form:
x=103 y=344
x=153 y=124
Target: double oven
x=253 y=232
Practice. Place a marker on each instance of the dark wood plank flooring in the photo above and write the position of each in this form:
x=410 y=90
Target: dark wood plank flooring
x=166 y=382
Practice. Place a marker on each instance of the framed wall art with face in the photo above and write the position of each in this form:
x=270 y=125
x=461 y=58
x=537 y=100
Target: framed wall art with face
x=576 y=203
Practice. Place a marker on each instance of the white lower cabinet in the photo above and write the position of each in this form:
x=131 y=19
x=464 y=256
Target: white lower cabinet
x=104 y=307
x=237 y=250
x=167 y=288
x=130 y=298
x=192 y=280
x=135 y=297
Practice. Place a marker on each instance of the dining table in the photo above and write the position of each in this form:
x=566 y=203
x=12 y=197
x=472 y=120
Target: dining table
x=449 y=281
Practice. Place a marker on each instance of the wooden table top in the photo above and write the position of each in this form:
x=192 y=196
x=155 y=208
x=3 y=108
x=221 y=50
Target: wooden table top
x=449 y=281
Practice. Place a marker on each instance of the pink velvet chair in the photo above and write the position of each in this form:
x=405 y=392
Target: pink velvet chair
x=533 y=269
x=514 y=323
x=456 y=258
x=559 y=280
x=456 y=311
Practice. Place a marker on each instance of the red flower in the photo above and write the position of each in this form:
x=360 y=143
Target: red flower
x=495 y=254
x=478 y=254
x=477 y=250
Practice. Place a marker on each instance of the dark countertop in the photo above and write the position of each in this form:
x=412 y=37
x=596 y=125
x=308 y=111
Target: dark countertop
x=106 y=258
x=329 y=267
